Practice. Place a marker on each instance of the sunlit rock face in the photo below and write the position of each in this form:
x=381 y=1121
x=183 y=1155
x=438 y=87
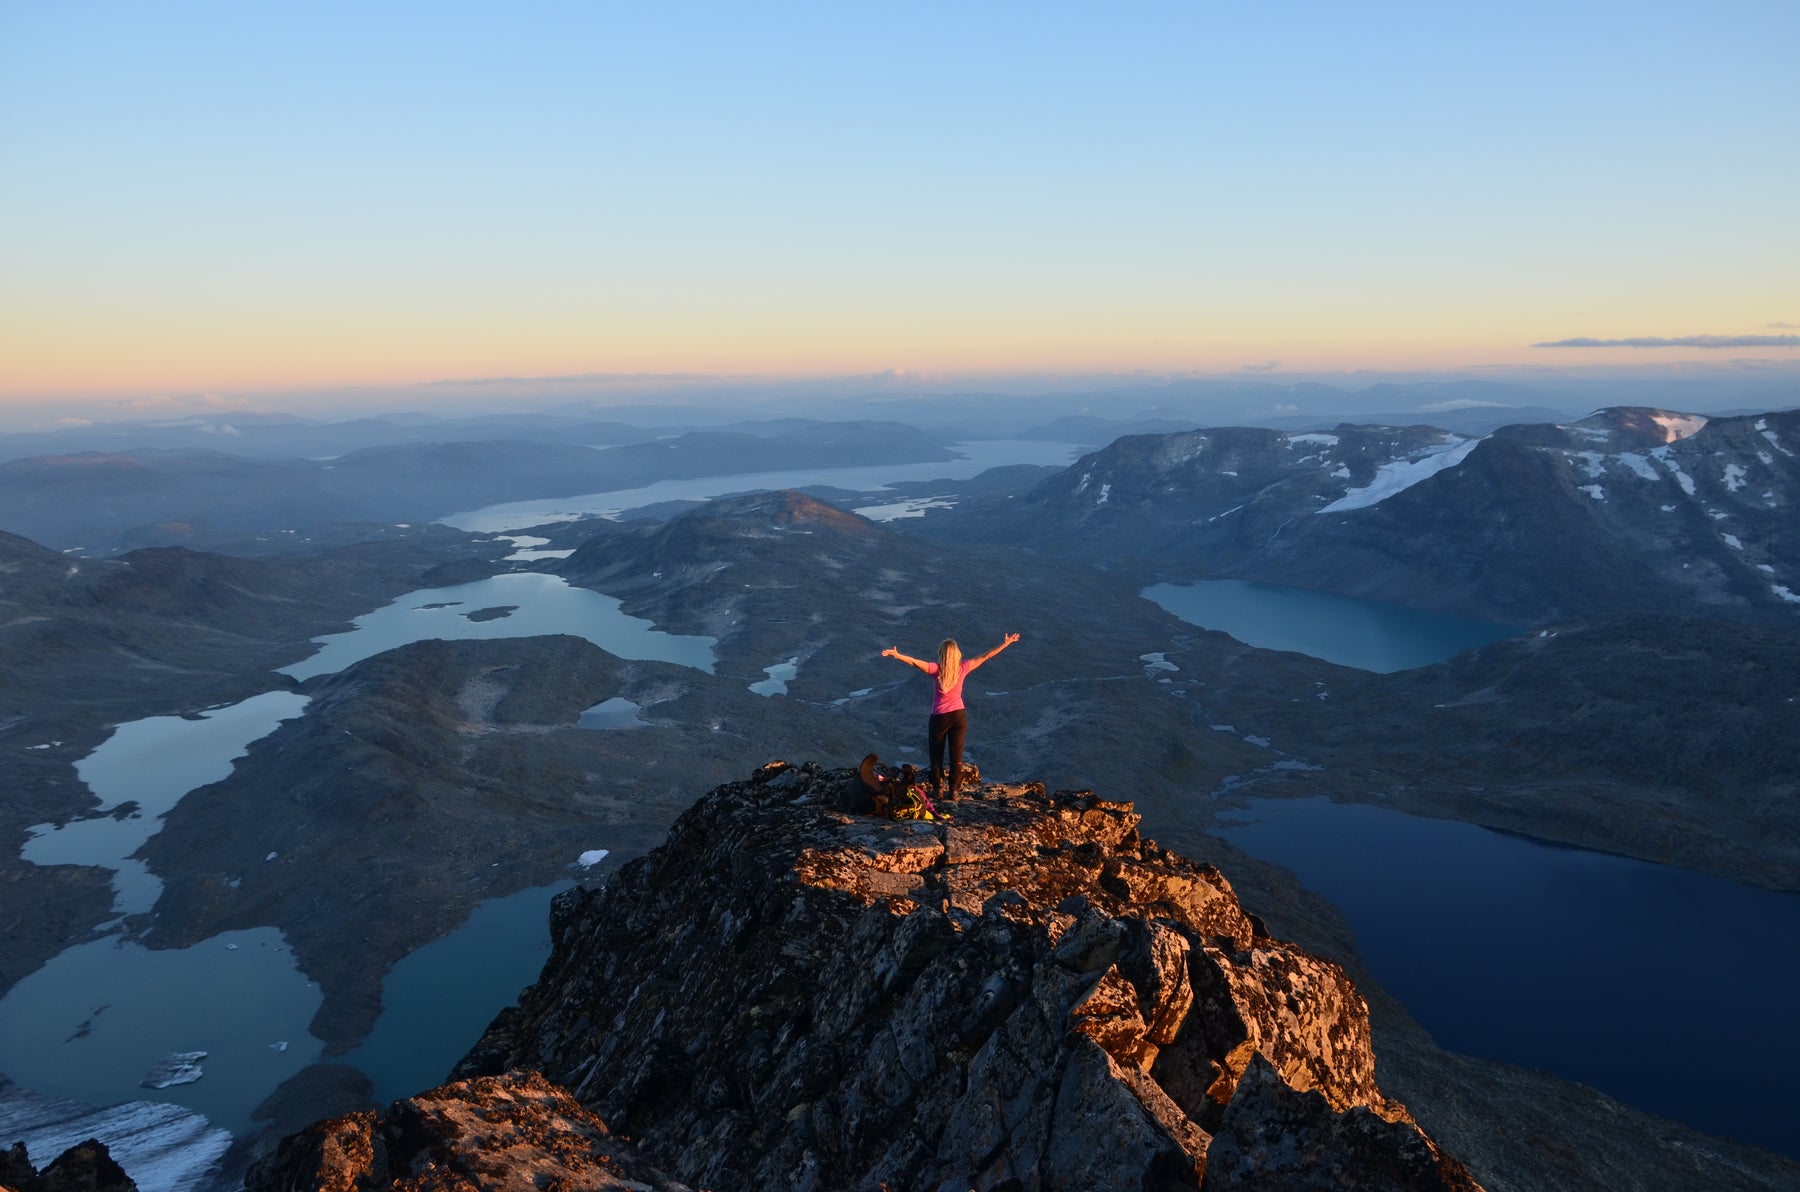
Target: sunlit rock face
x=1031 y=996
x=516 y=1133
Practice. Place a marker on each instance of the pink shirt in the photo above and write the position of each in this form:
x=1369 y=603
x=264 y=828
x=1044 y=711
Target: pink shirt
x=951 y=700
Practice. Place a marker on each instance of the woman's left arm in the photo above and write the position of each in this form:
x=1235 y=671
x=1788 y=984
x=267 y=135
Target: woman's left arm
x=1008 y=640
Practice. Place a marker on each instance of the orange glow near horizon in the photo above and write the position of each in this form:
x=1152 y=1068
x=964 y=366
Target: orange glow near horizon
x=249 y=352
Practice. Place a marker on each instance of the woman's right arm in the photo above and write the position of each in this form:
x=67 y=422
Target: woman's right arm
x=894 y=652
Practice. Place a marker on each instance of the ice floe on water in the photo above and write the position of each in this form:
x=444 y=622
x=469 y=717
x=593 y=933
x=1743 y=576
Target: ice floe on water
x=592 y=857
x=1400 y=475
x=178 y=1067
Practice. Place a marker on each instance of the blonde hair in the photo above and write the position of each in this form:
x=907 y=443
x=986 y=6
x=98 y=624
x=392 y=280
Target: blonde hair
x=949 y=664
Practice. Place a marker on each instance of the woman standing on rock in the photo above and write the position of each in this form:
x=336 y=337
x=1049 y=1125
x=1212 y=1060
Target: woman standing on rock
x=949 y=723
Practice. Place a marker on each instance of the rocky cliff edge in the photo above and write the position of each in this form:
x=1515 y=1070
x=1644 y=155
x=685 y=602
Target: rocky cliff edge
x=787 y=996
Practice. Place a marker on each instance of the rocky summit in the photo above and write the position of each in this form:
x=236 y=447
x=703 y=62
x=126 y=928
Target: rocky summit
x=787 y=995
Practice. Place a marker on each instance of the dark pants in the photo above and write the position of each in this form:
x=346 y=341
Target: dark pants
x=947 y=730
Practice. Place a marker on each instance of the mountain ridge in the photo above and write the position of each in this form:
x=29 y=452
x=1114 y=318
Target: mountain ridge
x=1030 y=996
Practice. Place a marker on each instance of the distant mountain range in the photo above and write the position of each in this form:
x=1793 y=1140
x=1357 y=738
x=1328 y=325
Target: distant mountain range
x=102 y=502
x=1629 y=509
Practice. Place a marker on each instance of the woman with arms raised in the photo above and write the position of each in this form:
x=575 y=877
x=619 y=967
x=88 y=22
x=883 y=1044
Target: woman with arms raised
x=949 y=723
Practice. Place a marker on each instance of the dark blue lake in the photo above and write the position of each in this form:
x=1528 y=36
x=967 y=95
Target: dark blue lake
x=1670 y=990
x=1367 y=634
x=438 y=998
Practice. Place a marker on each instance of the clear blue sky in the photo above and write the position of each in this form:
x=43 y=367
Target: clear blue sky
x=252 y=195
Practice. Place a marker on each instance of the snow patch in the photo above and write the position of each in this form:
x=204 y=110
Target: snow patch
x=1401 y=475
x=1638 y=463
x=1342 y=473
x=1765 y=567
x=1594 y=491
x=1327 y=440
x=1082 y=487
x=1678 y=426
x=1732 y=541
x=592 y=857
x=1661 y=454
x=1158 y=661
x=1592 y=434
x=1786 y=594
x=1105 y=492
x=1596 y=463
x=1762 y=424
x=1667 y=508
x=1734 y=476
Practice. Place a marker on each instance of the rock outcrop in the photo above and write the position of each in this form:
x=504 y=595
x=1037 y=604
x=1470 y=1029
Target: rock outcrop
x=85 y=1167
x=1030 y=996
x=517 y=1133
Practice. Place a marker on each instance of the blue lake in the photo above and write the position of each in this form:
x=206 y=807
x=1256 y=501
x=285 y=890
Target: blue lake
x=541 y=605
x=437 y=999
x=1366 y=634
x=153 y=763
x=974 y=458
x=1670 y=990
x=92 y=1022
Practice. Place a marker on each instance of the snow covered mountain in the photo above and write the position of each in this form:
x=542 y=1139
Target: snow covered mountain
x=1629 y=509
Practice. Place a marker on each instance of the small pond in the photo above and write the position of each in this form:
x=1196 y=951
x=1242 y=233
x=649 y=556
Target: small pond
x=1670 y=990
x=780 y=675
x=1367 y=634
x=616 y=713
